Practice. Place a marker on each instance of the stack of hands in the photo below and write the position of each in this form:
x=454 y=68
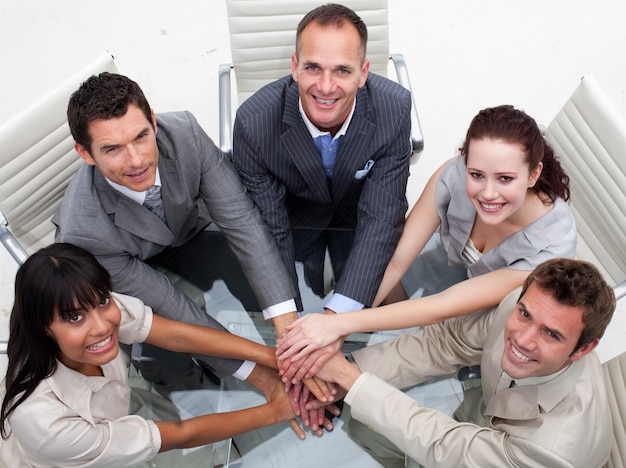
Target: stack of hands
x=308 y=356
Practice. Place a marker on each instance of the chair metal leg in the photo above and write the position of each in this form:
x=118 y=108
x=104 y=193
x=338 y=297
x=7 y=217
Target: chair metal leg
x=10 y=242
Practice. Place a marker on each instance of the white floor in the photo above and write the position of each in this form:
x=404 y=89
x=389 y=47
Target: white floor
x=462 y=56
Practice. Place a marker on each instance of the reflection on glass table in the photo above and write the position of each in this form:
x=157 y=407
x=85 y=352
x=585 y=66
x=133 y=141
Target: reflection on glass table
x=182 y=404
x=277 y=446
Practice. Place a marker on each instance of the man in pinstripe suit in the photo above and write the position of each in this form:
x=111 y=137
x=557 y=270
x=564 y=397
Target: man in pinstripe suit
x=353 y=206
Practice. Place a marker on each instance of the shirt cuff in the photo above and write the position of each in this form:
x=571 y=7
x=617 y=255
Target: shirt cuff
x=340 y=303
x=358 y=383
x=244 y=370
x=279 y=309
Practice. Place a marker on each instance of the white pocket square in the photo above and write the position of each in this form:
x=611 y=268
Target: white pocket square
x=358 y=175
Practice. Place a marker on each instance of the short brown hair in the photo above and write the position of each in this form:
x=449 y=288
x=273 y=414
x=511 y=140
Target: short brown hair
x=102 y=97
x=333 y=14
x=577 y=283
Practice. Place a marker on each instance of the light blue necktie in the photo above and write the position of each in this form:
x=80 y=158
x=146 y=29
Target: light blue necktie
x=327 y=147
x=154 y=202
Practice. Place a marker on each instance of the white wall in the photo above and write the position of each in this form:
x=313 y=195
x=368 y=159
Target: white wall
x=462 y=56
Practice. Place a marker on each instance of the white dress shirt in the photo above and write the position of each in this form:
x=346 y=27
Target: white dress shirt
x=75 y=420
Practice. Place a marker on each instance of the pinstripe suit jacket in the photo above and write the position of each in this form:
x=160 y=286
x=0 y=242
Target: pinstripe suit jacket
x=282 y=169
x=199 y=186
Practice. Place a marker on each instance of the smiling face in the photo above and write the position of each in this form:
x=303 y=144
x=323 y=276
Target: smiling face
x=498 y=179
x=124 y=149
x=329 y=68
x=540 y=336
x=88 y=337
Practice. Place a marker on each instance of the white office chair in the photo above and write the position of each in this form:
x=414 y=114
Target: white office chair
x=589 y=135
x=37 y=162
x=615 y=376
x=263 y=36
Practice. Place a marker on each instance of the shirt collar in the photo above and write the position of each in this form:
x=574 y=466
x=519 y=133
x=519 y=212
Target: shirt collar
x=538 y=380
x=75 y=390
x=139 y=197
x=315 y=132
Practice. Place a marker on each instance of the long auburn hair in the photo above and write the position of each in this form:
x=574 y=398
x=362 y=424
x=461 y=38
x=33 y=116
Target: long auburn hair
x=515 y=126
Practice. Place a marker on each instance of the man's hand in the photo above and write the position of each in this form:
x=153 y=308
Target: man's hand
x=340 y=371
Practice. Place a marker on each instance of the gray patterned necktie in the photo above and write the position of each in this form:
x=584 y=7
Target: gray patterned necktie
x=154 y=202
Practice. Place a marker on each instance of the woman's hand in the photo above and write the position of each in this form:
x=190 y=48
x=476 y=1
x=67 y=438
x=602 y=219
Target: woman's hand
x=294 y=371
x=285 y=410
x=305 y=335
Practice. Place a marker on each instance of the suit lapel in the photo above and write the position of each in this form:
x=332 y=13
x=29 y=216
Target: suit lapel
x=301 y=148
x=357 y=139
x=352 y=154
x=173 y=191
x=131 y=216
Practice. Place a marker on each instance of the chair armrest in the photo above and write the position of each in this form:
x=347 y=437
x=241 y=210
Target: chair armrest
x=17 y=252
x=10 y=242
x=225 y=118
x=402 y=73
x=225 y=109
x=469 y=376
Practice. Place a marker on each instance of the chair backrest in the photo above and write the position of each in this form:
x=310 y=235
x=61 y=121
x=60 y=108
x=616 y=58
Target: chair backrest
x=37 y=160
x=615 y=378
x=263 y=36
x=589 y=136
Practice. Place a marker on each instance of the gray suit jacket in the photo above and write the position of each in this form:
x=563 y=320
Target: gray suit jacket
x=199 y=186
x=282 y=169
x=565 y=422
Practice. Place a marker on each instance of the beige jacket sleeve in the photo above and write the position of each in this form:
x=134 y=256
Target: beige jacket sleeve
x=436 y=440
x=433 y=351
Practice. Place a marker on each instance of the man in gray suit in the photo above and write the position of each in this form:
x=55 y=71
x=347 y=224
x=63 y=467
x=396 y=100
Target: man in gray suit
x=542 y=401
x=325 y=153
x=129 y=151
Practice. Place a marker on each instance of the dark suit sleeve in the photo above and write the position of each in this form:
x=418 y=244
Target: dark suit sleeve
x=232 y=209
x=266 y=190
x=382 y=205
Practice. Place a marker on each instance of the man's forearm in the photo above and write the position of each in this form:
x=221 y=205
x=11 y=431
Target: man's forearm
x=282 y=321
x=347 y=375
x=338 y=370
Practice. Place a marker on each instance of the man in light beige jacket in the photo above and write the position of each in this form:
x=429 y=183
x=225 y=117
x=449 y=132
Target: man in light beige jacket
x=552 y=410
